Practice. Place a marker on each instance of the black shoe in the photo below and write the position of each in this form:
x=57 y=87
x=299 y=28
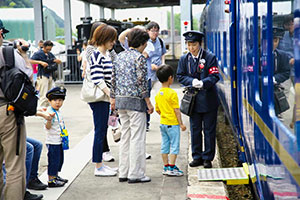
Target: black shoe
x=123 y=179
x=61 y=179
x=36 y=184
x=56 y=183
x=196 y=163
x=207 y=164
x=29 y=196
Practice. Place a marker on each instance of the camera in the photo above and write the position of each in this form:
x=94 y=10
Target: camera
x=17 y=42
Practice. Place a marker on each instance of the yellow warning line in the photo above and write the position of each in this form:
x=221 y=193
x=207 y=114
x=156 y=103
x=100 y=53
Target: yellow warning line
x=284 y=156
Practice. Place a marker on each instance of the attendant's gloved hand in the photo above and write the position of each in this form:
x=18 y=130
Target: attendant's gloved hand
x=274 y=80
x=197 y=83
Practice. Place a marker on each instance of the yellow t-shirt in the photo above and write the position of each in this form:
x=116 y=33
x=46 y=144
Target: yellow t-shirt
x=166 y=100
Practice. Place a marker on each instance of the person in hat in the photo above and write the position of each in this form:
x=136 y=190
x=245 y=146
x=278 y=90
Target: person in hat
x=54 y=126
x=281 y=65
x=3 y=30
x=198 y=70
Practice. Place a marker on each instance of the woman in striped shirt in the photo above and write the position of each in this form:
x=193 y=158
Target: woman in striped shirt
x=103 y=38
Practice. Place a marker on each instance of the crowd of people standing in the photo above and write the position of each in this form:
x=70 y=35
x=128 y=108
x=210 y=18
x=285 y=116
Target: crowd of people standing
x=124 y=81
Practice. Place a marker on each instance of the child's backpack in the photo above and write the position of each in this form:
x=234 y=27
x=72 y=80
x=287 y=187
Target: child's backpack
x=16 y=86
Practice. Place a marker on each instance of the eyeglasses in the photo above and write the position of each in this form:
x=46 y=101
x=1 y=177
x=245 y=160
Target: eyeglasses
x=154 y=31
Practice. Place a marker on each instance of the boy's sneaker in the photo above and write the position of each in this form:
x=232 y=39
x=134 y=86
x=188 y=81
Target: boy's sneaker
x=55 y=183
x=103 y=171
x=115 y=169
x=61 y=179
x=166 y=170
x=174 y=171
x=107 y=157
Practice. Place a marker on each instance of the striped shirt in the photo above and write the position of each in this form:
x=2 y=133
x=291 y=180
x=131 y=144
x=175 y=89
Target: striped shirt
x=101 y=69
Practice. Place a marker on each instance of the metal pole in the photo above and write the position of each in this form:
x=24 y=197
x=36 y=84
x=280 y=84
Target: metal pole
x=186 y=20
x=172 y=32
x=68 y=28
x=101 y=10
x=112 y=13
x=38 y=21
x=87 y=9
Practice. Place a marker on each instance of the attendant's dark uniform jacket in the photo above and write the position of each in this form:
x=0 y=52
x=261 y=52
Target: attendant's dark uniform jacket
x=207 y=97
x=281 y=66
x=204 y=115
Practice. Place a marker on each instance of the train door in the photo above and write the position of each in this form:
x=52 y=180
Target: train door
x=247 y=88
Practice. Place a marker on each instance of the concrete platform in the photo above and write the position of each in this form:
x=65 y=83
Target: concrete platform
x=79 y=169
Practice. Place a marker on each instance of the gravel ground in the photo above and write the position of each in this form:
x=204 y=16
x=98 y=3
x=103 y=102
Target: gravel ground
x=229 y=158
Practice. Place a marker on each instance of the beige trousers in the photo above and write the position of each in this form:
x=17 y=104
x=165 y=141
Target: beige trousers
x=132 y=157
x=44 y=84
x=14 y=164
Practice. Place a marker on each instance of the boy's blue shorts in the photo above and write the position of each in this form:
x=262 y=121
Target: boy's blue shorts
x=170 y=139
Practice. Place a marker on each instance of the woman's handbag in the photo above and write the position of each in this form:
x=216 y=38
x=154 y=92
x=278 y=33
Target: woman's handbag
x=90 y=92
x=188 y=101
x=280 y=100
x=114 y=125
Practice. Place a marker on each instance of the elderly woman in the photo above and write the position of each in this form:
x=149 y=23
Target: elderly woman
x=129 y=94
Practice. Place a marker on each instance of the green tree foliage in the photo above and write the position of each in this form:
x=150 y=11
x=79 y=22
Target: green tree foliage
x=177 y=22
x=59 y=31
x=16 y=3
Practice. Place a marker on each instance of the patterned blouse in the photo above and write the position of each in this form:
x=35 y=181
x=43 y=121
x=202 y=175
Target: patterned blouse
x=129 y=81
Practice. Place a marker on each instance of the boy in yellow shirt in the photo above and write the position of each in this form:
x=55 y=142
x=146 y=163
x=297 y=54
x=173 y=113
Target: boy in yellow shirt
x=167 y=107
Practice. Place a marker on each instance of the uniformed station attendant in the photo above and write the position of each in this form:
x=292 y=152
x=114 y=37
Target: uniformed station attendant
x=198 y=69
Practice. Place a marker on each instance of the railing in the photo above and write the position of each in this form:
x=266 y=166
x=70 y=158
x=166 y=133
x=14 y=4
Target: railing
x=69 y=71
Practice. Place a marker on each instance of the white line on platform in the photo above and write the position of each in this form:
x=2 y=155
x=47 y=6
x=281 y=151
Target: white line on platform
x=75 y=160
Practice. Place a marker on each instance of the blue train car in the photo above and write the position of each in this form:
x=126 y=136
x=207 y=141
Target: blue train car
x=257 y=43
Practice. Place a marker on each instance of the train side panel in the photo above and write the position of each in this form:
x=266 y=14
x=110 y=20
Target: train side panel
x=271 y=146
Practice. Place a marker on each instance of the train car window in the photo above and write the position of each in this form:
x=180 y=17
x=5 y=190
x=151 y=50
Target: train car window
x=224 y=49
x=262 y=48
x=283 y=62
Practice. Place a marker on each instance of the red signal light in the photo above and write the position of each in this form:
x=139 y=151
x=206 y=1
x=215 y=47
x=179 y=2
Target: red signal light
x=185 y=23
x=227 y=1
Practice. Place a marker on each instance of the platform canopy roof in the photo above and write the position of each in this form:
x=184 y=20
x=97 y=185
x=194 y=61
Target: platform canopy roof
x=122 y=4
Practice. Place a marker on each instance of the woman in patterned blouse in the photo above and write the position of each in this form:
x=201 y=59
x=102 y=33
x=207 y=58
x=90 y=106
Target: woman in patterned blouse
x=103 y=38
x=129 y=94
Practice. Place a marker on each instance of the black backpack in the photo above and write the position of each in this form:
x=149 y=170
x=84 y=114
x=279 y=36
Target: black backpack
x=16 y=86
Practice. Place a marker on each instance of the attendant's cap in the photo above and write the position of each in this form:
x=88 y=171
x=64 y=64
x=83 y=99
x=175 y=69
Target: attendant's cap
x=2 y=27
x=193 y=36
x=278 y=32
x=56 y=93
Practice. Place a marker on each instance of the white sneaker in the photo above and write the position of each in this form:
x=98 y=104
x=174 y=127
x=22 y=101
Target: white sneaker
x=107 y=157
x=148 y=156
x=140 y=180
x=103 y=171
x=175 y=171
x=115 y=169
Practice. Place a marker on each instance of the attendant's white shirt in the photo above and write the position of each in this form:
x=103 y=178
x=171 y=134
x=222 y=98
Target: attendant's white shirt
x=53 y=134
